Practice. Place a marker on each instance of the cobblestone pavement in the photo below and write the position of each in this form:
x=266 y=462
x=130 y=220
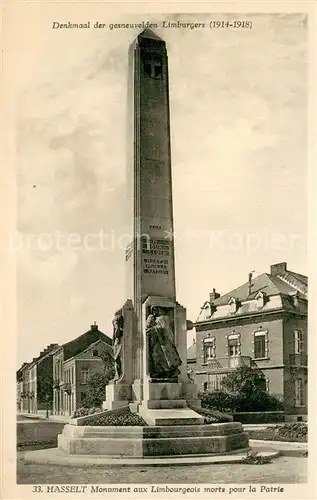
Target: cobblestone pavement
x=285 y=470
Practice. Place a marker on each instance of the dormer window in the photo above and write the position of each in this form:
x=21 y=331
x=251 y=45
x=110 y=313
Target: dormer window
x=234 y=305
x=261 y=299
x=207 y=310
x=295 y=299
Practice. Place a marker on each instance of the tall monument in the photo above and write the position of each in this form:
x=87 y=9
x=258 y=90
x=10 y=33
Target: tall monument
x=153 y=346
x=149 y=341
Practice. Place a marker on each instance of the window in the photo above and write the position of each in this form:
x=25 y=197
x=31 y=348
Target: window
x=205 y=386
x=298 y=341
x=299 y=392
x=84 y=375
x=58 y=370
x=209 y=348
x=260 y=344
x=95 y=352
x=234 y=344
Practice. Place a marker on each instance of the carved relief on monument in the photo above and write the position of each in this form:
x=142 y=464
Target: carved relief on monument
x=163 y=357
x=117 y=343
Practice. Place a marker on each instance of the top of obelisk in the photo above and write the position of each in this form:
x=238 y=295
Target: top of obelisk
x=148 y=33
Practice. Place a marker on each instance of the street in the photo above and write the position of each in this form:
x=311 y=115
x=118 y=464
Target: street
x=283 y=470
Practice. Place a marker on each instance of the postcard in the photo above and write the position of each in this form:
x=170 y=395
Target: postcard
x=158 y=235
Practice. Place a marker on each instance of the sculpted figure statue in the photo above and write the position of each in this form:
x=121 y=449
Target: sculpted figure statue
x=164 y=359
x=117 y=343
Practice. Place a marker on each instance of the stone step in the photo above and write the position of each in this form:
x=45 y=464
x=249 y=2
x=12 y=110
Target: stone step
x=164 y=404
x=166 y=431
x=139 y=447
x=174 y=416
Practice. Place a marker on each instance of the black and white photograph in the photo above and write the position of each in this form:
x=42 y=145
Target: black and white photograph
x=161 y=245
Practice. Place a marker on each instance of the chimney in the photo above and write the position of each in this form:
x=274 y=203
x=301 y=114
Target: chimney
x=94 y=327
x=250 y=283
x=279 y=268
x=213 y=296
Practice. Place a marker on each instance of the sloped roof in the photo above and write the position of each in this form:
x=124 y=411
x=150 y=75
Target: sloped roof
x=48 y=351
x=191 y=351
x=20 y=370
x=82 y=342
x=89 y=347
x=300 y=277
x=266 y=283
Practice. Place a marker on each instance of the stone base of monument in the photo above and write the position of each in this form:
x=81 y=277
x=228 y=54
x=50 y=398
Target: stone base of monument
x=117 y=396
x=174 y=416
x=165 y=403
x=155 y=441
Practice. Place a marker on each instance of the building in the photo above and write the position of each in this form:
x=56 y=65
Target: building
x=35 y=382
x=263 y=324
x=22 y=388
x=73 y=363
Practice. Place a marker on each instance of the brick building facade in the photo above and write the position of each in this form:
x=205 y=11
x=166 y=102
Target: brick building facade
x=73 y=363
x=262 y=324
x=35 y=382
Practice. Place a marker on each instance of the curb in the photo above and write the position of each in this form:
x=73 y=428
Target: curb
x=54 y=456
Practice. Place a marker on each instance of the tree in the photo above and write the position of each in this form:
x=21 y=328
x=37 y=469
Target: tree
x=97 y=382
x=244 y=380
x=108 y=365
x=45 y=383
x=243 y=390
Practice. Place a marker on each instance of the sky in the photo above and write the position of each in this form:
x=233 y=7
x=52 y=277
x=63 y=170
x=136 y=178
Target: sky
x=238 y=102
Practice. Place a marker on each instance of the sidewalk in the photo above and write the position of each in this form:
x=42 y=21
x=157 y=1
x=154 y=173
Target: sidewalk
x=60 y=418
x=257 y=427
x=42 y=416
x=287 y=448
x=33 y=416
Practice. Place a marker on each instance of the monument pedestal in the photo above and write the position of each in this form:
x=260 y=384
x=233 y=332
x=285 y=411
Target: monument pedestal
x=169 y=416
x=165 y=440
x=118 y=395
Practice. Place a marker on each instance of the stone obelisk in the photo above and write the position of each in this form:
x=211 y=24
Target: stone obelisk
x=154 y=371
x=150 y=328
